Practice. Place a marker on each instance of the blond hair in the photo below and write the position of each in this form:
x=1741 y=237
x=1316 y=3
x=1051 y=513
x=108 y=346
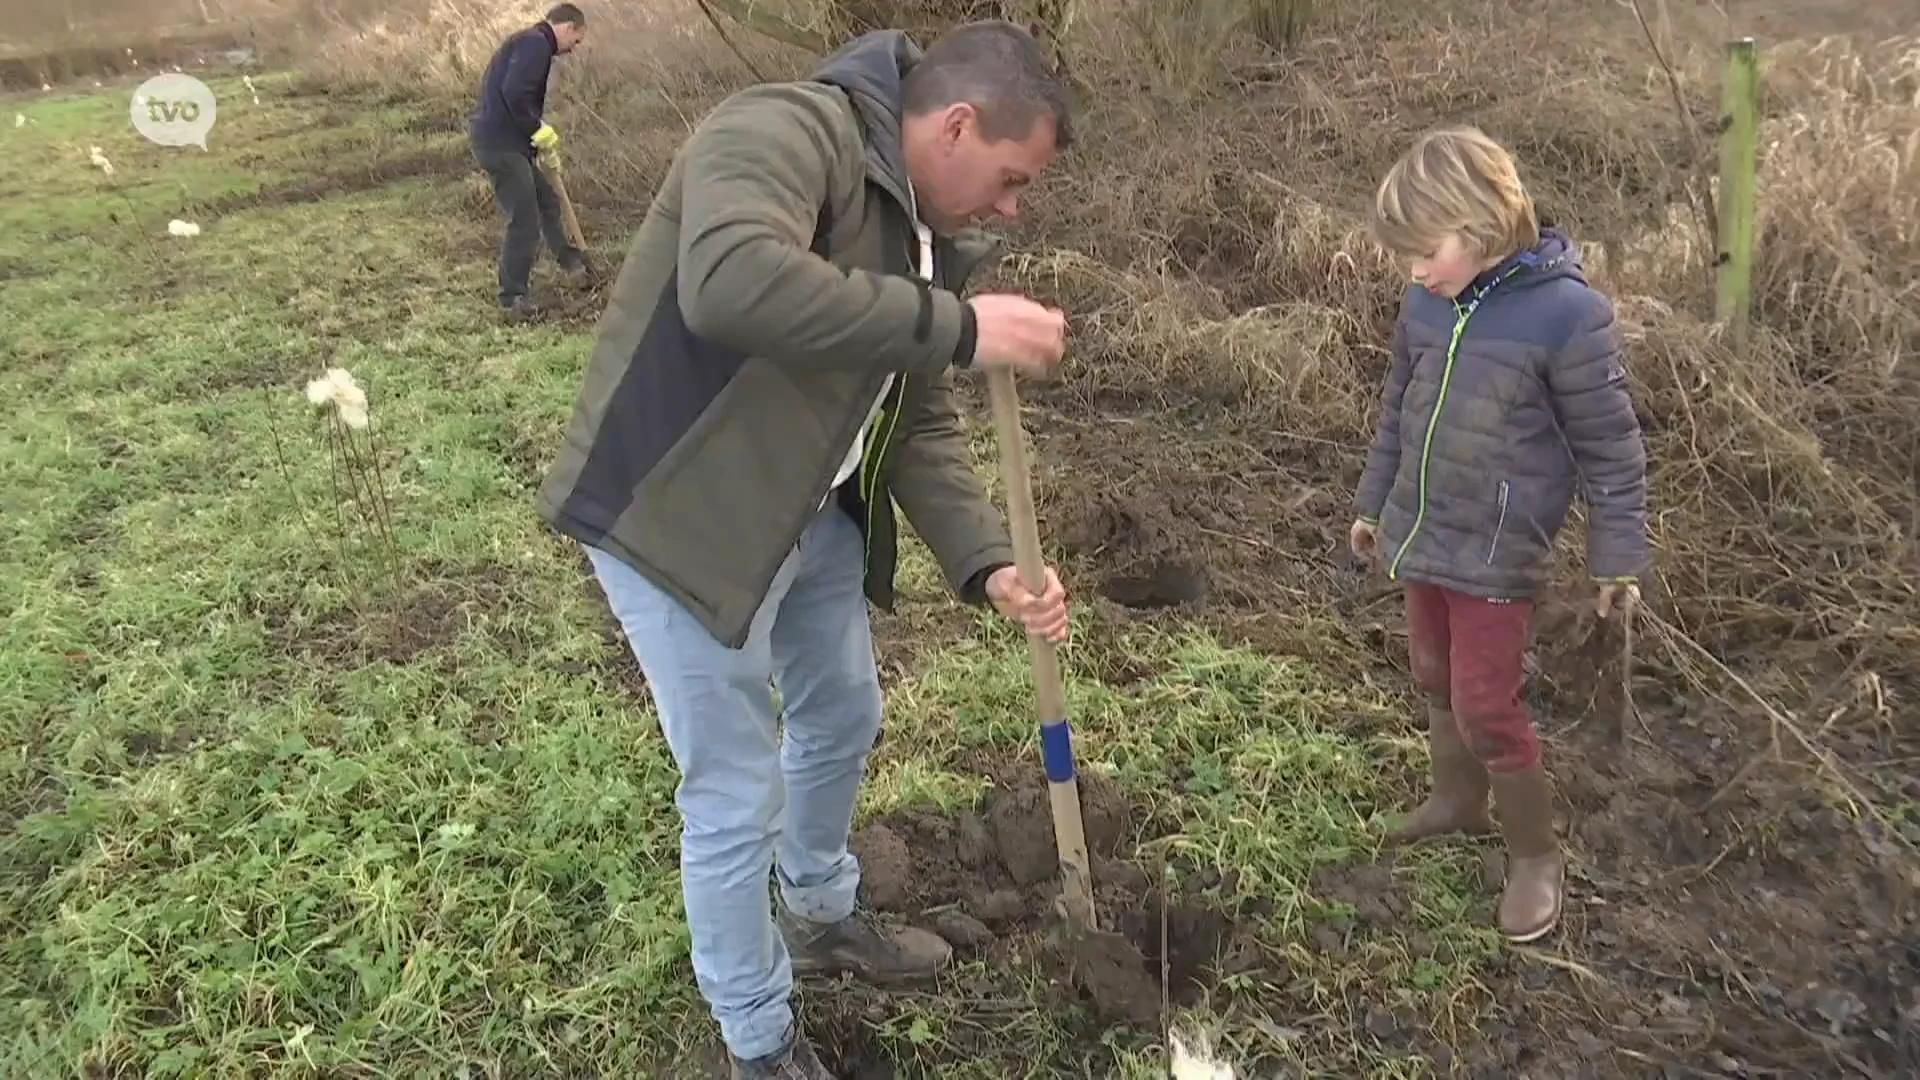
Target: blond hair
x=1455 y=180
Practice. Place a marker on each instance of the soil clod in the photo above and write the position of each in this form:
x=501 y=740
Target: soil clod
x=1021 y=823
x=1023 y=837
x=1111 y=972
x=975 y=842
x=886 y=867
x=962 y=930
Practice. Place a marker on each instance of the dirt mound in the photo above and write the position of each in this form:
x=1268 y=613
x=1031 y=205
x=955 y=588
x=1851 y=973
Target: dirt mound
x=989 y=883
x=1146 y=566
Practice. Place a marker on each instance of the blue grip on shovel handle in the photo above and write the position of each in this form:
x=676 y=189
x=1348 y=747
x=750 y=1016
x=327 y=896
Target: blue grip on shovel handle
x=1056 y=751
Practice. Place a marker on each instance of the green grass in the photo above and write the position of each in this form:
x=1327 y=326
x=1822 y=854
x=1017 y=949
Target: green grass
x=267 y=809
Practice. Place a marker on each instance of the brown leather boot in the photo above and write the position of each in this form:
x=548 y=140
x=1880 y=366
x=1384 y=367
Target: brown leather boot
x=861 y=945
x=794 y=1061
x=1458 y=802
x=1536 y=871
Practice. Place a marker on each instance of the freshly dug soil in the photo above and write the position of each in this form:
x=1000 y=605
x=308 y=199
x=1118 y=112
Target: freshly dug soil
x=990 y=885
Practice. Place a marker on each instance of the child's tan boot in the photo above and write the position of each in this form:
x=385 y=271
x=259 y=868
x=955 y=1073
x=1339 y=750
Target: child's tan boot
x=1536 y=870
x=1458 y=801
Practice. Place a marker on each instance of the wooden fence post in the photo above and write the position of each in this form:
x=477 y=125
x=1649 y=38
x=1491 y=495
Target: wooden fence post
x=1739 y=153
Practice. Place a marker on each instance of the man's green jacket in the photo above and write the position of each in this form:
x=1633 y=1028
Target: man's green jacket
x=733 y=367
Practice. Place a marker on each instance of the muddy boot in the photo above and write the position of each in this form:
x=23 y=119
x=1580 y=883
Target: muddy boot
x=1536 y=870
x=521 y=309
x=860 y=946
x=1458 y=802
x=795 y=1061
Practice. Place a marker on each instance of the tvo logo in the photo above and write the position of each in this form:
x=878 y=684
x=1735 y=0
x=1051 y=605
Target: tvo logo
x=173 y=110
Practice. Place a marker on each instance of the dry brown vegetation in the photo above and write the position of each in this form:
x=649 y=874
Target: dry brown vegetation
x=1229 y=320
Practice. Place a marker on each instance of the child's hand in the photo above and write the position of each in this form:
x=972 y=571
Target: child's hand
x=1364 y=539
x=1621 y=596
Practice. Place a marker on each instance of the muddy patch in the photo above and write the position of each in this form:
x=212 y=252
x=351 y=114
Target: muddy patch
x=1182 y=520
x=1159 y=583
x=146 y=746
x=989 y=883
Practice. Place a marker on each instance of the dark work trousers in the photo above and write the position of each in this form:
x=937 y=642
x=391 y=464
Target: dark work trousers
x=531 y=208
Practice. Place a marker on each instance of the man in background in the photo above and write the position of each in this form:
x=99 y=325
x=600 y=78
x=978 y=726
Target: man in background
x=507 y=128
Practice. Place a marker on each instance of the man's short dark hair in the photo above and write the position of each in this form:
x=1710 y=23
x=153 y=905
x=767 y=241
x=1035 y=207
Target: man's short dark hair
x=567 y=13
x=1001 y=71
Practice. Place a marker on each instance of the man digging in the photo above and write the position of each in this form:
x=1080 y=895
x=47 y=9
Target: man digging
x=507 y=128
x=771 y=377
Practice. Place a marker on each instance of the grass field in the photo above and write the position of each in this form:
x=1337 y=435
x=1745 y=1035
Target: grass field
x=280 y=798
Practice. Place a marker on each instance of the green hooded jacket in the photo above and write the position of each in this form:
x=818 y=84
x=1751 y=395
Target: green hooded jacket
x=763 y=301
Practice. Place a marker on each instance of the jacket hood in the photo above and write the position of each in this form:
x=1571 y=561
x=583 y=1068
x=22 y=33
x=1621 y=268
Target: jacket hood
x=872 y=69
x=1553 y=257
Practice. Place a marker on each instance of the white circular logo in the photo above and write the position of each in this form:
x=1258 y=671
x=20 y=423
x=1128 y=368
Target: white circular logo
x=173 y=110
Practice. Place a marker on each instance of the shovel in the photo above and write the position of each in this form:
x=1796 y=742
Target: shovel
x=1056 y=741
x=1106 y=964
x=569 y=221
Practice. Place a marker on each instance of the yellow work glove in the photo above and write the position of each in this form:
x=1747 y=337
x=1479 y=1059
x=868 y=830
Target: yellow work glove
x=546 y=138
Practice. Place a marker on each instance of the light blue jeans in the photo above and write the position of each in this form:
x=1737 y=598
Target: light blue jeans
x=750 y=800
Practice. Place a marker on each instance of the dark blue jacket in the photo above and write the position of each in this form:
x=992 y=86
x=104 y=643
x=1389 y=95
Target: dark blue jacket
x=1499 y=408
x=513 y=91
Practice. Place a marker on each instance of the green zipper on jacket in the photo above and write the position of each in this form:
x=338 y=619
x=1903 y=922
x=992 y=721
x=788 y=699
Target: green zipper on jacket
x=873 y=461
x=1461 y=314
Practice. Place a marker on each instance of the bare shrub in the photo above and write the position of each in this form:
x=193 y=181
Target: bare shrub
x=1279 y=23
x=1840 y=218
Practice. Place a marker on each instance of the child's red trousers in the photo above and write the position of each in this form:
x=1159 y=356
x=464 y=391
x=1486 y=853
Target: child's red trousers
x=1467 y=651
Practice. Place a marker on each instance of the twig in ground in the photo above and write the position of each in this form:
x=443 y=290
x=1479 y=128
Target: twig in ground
x=1674 y=636
x=1698 y=185
x=1626 y=677
x=339 y=517
x=286 y=472
x=366 y=491
x=382 y=506
x=1166 y=961
x=714 y=18
x=1561 y=962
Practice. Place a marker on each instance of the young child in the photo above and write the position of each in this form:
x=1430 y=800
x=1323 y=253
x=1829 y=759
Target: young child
x=1506 y=396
